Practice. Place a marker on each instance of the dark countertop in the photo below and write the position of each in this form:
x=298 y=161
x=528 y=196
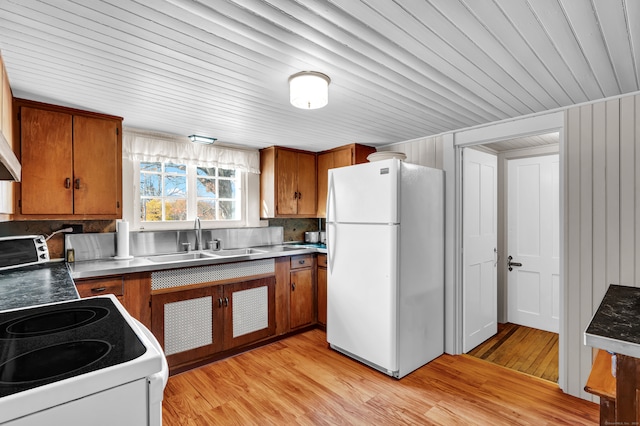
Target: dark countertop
x=36 y=285
x=615 y=326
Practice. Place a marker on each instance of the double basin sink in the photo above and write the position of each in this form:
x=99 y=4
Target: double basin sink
x=196 y=255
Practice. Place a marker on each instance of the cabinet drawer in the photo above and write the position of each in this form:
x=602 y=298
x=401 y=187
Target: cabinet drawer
x=322 y=261
x=302 y=261
x=98 y=286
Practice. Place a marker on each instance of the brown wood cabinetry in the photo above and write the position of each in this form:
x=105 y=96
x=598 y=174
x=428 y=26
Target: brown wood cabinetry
x=287 y=183
x=132 y=290
x=195 y=323
x=6 y=126
x=302 y=296
x=71 y=163
x=322 y=289
x=347 y=155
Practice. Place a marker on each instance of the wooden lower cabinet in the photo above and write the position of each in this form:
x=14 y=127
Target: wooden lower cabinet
x=302 y=295
x=322 y=289
x=132 y=290
x=195 y=323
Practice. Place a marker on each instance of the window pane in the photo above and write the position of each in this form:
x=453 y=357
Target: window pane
x=227 y=173
x=227 y=188
x=175 y=209
x=206 y=187
x=150 y=185
x=206 y=171
x=175 y=168
x=227 y=210
x=175 y=186
x=151 y=209
x=150 y=167
x=207 y=209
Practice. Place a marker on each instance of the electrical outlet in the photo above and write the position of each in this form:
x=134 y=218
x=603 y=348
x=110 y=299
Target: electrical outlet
x=77 y=228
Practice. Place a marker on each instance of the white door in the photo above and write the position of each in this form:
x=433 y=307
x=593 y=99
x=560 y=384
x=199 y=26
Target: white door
x=479 y=280
x=533 y=240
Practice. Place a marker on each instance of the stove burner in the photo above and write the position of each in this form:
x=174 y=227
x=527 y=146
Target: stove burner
x=51 y=322
x=51 y=361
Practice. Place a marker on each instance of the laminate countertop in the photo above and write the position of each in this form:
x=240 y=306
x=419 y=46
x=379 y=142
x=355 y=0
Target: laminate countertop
x=615 y=327
x=36 y=285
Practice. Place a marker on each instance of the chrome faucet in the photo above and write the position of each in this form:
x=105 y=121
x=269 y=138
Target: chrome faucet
x=198 y=227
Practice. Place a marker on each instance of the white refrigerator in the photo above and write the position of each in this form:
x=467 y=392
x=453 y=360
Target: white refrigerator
x=385 y=264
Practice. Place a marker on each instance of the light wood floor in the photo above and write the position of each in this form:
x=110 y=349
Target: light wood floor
x=300 y=380
x=524 y=349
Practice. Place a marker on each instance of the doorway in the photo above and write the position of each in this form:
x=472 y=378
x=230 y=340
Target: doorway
x=522 y=299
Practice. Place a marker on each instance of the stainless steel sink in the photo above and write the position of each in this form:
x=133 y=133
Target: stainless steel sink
x=177 y=257
x=239 y=252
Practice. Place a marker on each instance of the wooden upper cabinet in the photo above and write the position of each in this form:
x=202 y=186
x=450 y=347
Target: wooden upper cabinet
x=71 y=163
x=287 y=183
x=347 y=155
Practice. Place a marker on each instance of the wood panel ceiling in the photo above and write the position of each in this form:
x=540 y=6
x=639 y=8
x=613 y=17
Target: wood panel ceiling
x=400 y=69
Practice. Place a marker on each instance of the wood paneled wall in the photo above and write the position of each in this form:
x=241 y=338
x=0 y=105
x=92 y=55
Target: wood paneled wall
x=425 y=151
x=602 y=222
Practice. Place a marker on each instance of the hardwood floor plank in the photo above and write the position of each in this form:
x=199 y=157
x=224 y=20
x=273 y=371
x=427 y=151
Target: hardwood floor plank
x=301 y=381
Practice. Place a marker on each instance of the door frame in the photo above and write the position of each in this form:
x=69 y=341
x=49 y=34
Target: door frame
x=452 y=164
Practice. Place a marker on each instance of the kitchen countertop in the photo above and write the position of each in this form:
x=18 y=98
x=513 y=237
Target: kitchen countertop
x=615 y=327
x=103 y=267
x=36 y=285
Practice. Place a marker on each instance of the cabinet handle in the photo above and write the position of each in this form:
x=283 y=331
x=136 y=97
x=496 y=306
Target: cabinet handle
x=98 y=289
x=293 y=286
x=299 y=195
x=301 y=262
x=295 y=195
x=78 y=183
x=226 y=302
x=220 y=302
x=67 y=183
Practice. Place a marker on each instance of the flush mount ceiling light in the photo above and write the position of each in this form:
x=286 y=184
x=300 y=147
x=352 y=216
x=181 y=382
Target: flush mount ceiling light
x=309 y=89
x=202 y=139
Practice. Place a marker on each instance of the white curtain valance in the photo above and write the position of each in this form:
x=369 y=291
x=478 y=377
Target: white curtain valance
x=152 y=147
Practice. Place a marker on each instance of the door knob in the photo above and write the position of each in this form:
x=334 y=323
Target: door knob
x=511 y=264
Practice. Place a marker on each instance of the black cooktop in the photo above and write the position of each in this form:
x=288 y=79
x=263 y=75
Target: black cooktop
x=49 y=343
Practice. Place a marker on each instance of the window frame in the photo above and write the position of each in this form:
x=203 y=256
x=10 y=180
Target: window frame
x=192 y=176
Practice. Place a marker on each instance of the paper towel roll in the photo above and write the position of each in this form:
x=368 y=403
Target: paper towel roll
x=122 y=240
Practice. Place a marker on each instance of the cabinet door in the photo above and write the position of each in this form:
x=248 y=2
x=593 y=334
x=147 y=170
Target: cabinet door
x=301 y=298
x=95 y=148
x=189 y=324
x=306 y=184
x=250 y=313
x=325 y=162
x=343 y=157
x=322 y=289
x=287 y=175
x=47 y=162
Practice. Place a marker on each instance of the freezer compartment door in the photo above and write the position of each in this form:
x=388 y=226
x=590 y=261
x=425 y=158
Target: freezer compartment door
x=361 y=292
x=364 y=193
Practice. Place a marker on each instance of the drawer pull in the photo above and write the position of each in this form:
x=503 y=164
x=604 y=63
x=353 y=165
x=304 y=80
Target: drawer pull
x=301 y=262
x=98 y=289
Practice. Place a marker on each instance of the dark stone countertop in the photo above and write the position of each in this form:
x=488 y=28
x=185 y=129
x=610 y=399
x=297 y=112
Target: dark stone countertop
x=615 y=326
x=36 y=285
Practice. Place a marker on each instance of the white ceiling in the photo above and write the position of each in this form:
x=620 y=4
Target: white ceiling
x=400 y=69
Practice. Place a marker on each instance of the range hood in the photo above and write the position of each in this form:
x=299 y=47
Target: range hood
x=10 y=168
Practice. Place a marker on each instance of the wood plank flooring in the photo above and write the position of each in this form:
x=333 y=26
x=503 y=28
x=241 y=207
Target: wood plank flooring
x=299 y=380
x=524 y=349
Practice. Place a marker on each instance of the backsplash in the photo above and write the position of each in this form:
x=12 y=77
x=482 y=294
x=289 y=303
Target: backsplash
x=294 y=229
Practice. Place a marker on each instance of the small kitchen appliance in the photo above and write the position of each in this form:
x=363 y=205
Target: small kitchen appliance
x=385 y=264
x=22 y=250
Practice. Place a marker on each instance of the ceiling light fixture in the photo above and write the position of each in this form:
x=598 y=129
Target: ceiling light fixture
x=309 y=89
x=202 y=139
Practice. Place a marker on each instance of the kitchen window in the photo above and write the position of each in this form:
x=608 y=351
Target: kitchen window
x=169 y=181
x=171 y=191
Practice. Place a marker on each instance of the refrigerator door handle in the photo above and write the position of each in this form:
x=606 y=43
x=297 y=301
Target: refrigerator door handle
x=329 y=222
